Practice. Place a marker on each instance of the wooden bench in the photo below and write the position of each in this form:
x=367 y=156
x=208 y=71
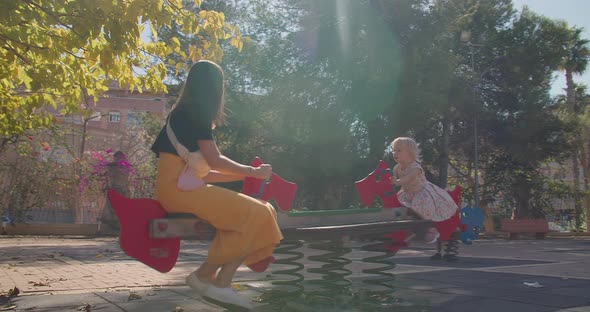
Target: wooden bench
x=539 y=227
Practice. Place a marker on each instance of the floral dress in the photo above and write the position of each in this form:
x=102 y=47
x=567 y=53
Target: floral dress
x=428 y=200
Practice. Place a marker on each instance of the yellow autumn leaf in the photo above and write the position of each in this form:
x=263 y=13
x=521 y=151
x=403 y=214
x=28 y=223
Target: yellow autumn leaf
x=103 y=45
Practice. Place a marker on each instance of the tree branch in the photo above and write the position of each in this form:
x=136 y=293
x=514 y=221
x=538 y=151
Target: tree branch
x=51 y=14
x=20 y=56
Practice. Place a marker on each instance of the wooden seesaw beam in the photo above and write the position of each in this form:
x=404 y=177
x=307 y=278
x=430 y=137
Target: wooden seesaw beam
x=190 y=227
x=182 y=226
x=377 y=220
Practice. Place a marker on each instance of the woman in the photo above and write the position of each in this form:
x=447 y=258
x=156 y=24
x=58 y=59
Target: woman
x=247 y=231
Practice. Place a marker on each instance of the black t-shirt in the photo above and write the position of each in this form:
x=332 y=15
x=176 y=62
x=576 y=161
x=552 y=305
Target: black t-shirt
x=186 y=131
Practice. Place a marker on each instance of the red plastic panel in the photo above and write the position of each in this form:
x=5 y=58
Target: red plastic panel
x=134 y=219
x=278 y=189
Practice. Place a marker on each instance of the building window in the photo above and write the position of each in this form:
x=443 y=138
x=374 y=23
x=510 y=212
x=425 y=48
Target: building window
x=114 y=117
x=133 y=119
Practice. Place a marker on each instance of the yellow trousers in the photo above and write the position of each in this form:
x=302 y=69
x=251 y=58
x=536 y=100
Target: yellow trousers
x=246 y=227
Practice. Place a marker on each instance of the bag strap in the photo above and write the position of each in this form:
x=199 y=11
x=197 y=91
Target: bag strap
x=180 y=149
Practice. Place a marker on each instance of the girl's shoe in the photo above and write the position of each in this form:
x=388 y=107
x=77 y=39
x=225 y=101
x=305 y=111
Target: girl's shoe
x=227 y=295
x=196 y=284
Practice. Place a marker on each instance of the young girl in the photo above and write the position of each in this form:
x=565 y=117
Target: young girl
x=247 y=230
x=424 y=198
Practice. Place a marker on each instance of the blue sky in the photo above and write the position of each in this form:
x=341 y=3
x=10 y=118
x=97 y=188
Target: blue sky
x=575 y=13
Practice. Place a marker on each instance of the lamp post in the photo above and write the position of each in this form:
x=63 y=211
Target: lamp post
x=466 y=38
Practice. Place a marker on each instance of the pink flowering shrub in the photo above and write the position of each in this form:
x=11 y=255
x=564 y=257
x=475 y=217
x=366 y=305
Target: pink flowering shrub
x=94 y=176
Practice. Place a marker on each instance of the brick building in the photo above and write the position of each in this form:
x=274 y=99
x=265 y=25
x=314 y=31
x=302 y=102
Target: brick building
x=114 y=125
x=114 y=118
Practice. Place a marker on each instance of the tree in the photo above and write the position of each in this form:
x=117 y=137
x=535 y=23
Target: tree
x=576 y=54
x=520 y=129
x=580 y=121
x=321 y=87
x=584 y=101
x=448 y=74
x=56 y=52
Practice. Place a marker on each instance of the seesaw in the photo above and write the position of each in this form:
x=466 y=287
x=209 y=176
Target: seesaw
x=151 y=236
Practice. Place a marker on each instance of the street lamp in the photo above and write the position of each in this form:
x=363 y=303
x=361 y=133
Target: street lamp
x=466 y=38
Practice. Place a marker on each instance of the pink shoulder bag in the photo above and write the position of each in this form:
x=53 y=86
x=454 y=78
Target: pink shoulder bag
x=188 y=179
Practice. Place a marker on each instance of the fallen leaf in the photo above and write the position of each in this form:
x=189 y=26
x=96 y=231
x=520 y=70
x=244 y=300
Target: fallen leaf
x=13 y=292
x=7 y=308
x=4 y=296
x=133 y=296
x=239 y=287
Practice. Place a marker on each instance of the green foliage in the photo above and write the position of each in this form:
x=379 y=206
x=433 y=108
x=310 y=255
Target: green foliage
x=524 y=187
x=56 y=53
x=320 y=88
x=33 y=175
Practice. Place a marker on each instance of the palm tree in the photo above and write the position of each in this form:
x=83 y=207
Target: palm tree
x=585 y=147
x=583 y=100
x=576 y=54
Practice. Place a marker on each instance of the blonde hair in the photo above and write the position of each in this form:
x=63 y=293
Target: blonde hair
x=410 y=145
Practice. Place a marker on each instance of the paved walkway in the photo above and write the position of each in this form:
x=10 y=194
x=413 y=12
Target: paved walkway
x=92 y=274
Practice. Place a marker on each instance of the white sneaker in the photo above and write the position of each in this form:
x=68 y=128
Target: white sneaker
x=227 y=295
x=196 y=284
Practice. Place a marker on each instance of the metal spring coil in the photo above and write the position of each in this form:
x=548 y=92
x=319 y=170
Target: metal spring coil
x=451 y=249
x=291 y=286
x=372 y=299
x=333 y=287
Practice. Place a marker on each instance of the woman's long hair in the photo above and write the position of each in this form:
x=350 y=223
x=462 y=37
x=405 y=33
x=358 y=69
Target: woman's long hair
x=202 y=96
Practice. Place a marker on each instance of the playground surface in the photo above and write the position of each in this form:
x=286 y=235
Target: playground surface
x=93 y=274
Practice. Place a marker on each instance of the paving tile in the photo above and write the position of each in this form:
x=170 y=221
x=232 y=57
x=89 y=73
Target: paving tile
x=467 y=262
x=581 y=291
x=576 y=309
x=458 y=277
x=477 y=292
x=432 y=299
x=493 y=305
x=540 y=298
x=46 y=301
x=125 y=296
x=101 y=307
x=417 y=284
x=171 y=306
